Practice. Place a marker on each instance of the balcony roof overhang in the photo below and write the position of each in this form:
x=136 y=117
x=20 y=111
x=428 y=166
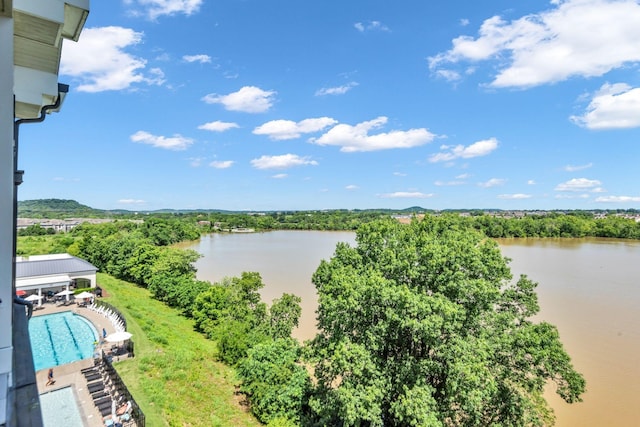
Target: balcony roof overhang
x=39 y=27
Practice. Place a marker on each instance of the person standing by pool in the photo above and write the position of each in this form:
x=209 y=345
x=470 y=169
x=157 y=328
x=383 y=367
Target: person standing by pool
x=50 y=380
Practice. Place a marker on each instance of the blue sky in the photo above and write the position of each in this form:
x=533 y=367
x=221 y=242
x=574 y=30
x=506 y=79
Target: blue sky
x=278 y=105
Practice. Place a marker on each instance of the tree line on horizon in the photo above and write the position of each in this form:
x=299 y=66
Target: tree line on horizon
x=549 y=225
x=494 y=223
x=419 y=324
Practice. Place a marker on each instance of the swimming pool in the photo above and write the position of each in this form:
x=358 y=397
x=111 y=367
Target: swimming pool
x=60 y=408
x=57 y=339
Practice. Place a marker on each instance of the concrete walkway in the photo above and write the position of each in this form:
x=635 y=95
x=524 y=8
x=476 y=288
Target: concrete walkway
x=70 y=374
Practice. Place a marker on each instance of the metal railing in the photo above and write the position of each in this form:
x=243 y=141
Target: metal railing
x=122 y=390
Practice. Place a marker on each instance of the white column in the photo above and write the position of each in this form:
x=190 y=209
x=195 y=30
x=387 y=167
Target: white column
x=40 y=295
x=6 y=210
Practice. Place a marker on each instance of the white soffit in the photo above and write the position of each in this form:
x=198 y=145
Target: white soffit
x=50 y=281
x=39 y=27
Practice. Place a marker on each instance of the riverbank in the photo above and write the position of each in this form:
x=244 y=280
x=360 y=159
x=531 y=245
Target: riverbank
x=587 y=288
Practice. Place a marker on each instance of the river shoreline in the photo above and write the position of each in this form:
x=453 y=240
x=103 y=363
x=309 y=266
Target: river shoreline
x=586 y=288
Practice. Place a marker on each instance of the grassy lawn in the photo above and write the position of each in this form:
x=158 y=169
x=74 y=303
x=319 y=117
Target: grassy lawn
x=173 y=376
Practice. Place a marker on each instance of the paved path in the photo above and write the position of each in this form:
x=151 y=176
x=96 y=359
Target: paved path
x=70 y=374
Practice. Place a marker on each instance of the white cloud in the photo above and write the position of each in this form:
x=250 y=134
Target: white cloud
x=493 y=182
x=531 y=182
x=406 y=195
x=284 y=161
x=516 y=196
x=221 y=164
x=339 y=90
x=578 y=184
x=203 y=59
x=249 y=99
x=279 y=176
x=131 y=201
x=218 y=126
x=618 y=199
x=357 y=138
x=400 y=174
x=371 y=26
x=614 y=106
x=448 y=75
x=176 y=142
x=164 y=57
x=573 y=38
x=572 y=168
x=351 y=187
x=195 y=162
x=477 y=149
x=153 y=9
x=571 y=196
x=448 y=183
x=287 y=129
x=113 y=68
x=155 y=77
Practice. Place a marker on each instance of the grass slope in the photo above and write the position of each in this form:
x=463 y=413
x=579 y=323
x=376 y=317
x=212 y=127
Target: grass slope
x=173 y=376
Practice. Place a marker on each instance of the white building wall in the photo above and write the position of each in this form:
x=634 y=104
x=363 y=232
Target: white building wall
x=6 y=209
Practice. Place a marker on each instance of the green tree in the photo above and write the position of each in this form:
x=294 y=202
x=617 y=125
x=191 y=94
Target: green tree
x=35 y=230
x=422 y=325
x=231 y=313
x=274 y=381
x=211 y=308
x=284 y=315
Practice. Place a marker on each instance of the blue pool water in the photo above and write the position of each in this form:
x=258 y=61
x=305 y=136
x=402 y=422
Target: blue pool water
x=60 y=408
x=57 y=339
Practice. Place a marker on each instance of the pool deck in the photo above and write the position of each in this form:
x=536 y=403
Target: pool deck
x=70 y=374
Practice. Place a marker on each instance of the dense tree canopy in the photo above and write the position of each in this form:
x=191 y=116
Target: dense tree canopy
x=422 y=325
x=231 y=313
x=275 y=382
x=35 y=230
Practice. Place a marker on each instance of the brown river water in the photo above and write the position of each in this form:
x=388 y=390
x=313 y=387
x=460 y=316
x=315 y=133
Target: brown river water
x=588 y=288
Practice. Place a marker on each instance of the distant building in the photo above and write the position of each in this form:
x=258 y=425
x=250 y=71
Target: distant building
x=59 y=225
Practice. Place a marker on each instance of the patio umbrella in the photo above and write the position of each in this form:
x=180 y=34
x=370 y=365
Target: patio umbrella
x=33 y=297
x=83 y=295
x=118 y=336
x=66 y=293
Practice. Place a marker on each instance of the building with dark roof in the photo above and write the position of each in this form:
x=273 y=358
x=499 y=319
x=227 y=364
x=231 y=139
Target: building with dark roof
x=56 y=272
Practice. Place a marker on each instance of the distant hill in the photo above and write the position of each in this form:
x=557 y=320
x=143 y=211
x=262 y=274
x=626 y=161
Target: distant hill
x=56 y=208
x=62 y=208
x=49 y=208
